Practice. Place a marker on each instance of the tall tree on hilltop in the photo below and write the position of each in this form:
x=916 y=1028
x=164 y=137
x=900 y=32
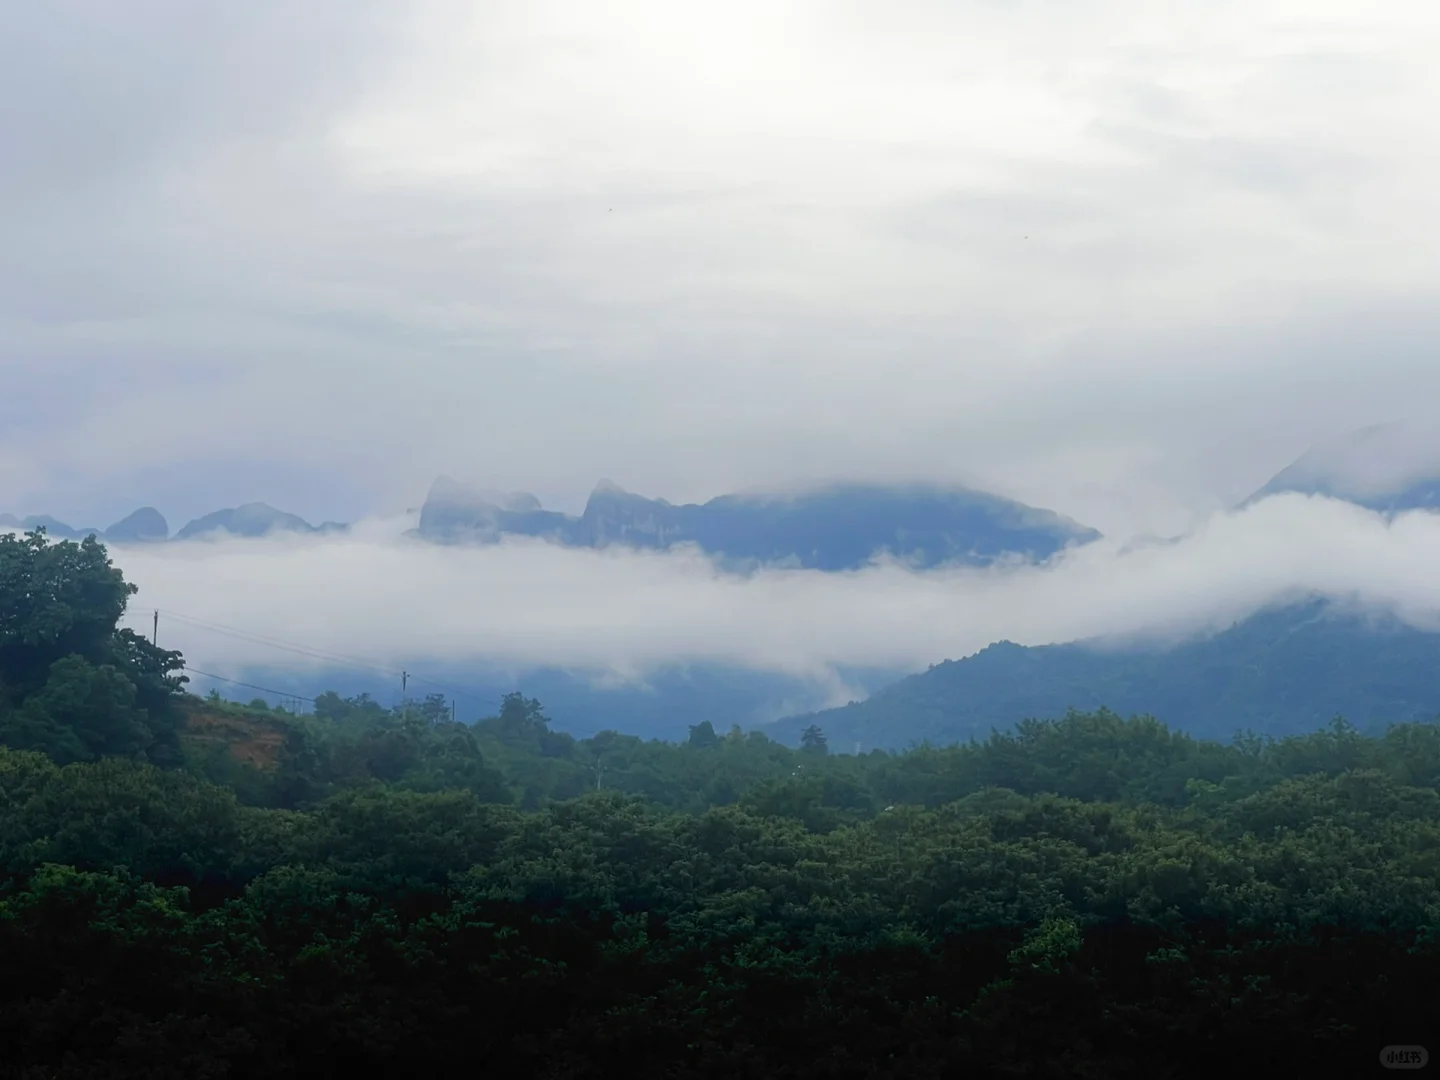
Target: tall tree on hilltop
x=72 y=683
x=812 y=741
x=702 y=735
x=56 y=600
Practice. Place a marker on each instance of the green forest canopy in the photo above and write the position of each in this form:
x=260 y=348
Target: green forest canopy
x=392 y=892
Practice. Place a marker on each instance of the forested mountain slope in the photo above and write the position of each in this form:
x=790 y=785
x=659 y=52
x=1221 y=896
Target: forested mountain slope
x=1280 y=672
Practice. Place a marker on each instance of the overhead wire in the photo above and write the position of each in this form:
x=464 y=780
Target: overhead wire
x=277 y=643
x=251 y=686
x=233 y=682
x=300 y=650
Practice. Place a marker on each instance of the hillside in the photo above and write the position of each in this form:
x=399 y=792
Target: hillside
x=841 y=527
x=1280 y=672
x=248 y=736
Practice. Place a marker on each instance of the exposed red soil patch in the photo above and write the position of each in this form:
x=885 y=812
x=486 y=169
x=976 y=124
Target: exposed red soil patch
x=252 y=740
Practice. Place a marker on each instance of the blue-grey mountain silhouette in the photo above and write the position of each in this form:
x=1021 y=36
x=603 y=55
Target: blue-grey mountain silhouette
x=55 y=529
x=1282 y=671
x=839 y=527
x=252 y=520
x=145 y=525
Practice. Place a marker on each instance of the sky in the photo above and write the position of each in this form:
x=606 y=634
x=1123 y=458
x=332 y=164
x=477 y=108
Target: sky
x=1119 y=260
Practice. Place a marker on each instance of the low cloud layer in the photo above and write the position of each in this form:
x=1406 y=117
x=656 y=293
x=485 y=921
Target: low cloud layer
x=386 y=600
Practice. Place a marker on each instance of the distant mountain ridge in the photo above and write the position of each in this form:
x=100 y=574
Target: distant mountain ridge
x=53 y=527
x=839 y=527
x=1281 y=672
x=1390 y=468
x=148 y=525
x=251 y=520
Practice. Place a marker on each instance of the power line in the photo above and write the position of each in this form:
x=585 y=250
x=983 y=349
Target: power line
x=301 y=650
x=277 y=643
x=308 y=652
x=251 y=686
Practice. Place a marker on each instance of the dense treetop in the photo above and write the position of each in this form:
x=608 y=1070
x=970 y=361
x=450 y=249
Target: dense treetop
x=386 y=890
x=72 y=683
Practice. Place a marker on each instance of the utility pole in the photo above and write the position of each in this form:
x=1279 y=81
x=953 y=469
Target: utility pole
x=155 y=633
x=452 y=710
x=404 y=696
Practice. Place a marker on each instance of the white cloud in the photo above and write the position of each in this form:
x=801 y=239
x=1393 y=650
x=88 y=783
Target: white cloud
x=1379 y=460
x=378 y=597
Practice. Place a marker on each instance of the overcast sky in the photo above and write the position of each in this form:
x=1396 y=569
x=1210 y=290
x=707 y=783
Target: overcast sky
x=1118 y=259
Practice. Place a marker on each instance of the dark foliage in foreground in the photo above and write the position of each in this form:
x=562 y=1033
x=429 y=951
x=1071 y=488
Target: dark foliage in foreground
x=394 y=894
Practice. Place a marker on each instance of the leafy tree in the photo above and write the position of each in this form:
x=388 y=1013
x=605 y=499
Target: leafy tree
x=390 y=752
x=812 y=741
x=702 y=735
x=434 y=709
x=56 y=600
x=155 y=672
x=362 y=708
x=90 y=712
x=71 y=684
x=520 y=719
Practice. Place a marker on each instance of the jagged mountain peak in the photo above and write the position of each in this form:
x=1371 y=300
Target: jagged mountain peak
x=146 y=524
x=840 y=526
x=607 y=493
